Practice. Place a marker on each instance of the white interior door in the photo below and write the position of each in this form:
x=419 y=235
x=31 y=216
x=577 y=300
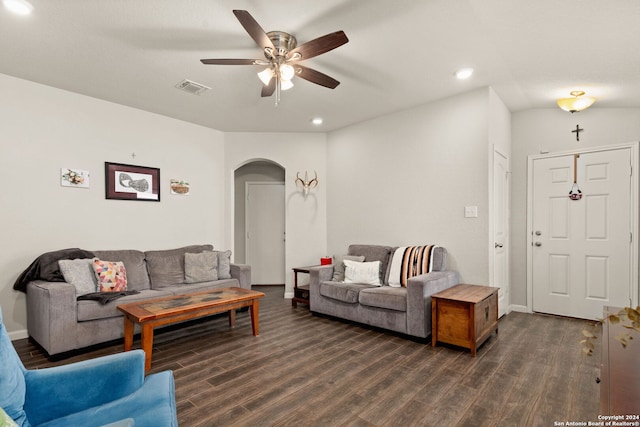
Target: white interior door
x=581 y=253
x=265 y=232
x=501 y=177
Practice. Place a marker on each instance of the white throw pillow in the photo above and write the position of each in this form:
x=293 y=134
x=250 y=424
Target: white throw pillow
x=362 y=272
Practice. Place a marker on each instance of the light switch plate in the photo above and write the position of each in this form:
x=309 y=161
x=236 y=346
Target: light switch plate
x=470 y=211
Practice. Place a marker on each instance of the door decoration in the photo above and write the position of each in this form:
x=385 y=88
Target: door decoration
x=575 y=193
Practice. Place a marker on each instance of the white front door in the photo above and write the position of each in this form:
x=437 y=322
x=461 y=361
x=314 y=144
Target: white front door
x=265 y=228
x=581 y=249
x=501 y=229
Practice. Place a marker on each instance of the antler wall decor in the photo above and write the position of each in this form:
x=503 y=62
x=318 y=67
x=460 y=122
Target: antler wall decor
x=307 y=184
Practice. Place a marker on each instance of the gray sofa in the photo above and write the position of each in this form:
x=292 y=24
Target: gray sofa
x=401 y=309
x=60 y=323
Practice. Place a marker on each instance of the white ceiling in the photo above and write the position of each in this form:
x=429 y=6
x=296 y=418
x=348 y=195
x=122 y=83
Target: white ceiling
x=401 y=53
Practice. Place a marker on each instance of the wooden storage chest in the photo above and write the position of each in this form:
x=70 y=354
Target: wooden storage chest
x=464 y=315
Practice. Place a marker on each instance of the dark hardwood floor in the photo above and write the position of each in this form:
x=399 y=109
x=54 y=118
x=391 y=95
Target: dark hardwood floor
x=307 y=370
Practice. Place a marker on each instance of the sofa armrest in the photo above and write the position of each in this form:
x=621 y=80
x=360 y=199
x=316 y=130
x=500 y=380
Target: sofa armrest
x=419 y=291
x=319 y=274
x=242 y=272
x=52 y=315
x=55 y=392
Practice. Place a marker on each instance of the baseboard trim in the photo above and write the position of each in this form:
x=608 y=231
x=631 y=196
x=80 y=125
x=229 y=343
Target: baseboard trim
x=288 y=295
x=18 y=335
x=519 y=308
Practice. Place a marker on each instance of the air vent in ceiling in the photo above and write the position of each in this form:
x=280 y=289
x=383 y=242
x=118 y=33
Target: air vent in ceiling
x=192 y=87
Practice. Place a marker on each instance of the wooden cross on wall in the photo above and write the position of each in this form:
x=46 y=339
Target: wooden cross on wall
x=577 y=130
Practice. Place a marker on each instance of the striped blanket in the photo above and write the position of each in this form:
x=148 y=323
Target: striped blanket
x=409 y=261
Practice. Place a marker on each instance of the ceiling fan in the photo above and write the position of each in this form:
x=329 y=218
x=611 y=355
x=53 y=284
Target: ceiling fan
x=282 y=56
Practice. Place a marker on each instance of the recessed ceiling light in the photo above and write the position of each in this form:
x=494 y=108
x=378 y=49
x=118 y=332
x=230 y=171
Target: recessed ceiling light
x=317 y=121
x=19 y=7
x=464 y=73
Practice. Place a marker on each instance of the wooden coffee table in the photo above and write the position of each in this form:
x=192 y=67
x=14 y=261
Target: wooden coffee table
x=164 y=311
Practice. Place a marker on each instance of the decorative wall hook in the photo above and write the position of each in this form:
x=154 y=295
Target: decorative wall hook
x=307 y=184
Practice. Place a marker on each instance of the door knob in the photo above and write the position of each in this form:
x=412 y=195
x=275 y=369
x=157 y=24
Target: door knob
x=538 y=244
x=498 y=245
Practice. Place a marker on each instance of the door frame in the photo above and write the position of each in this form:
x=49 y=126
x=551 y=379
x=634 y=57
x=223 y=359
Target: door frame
x=492 y=264
x=248 y=184
x=633 y=146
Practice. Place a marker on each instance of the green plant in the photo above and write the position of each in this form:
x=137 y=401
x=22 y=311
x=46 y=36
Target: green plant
x=627 y=316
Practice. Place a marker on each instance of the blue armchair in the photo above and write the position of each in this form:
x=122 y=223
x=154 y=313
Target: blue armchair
x=110 y=390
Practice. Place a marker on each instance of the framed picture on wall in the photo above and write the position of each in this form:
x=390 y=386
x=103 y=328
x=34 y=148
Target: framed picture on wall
x=130 y=182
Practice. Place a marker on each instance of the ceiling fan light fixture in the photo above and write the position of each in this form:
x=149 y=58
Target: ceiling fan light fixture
x=577 y=103
x=265 y=76
x=19 y=7
x=286 y=84
x=286 y=72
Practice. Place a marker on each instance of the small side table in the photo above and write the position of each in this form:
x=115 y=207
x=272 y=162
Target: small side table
x=300 y=293
x=464 y=315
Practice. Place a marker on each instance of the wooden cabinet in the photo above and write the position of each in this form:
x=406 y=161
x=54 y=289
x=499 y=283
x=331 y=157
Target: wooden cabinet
x=464 y=315
x=620 y=372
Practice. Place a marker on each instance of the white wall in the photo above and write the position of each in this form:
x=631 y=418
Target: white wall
x=406 y=178
x=45 y=129
x=306 y=219
x=541 y=130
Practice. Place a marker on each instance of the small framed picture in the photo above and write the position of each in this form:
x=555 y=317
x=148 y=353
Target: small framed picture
x=74 y=178
x=130 y=182
x=179 y=186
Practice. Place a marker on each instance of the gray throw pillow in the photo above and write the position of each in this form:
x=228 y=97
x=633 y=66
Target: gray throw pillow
x=338 y=265
x=79 y=273
x=224 y=264
x=166 y=267
x=202 y=267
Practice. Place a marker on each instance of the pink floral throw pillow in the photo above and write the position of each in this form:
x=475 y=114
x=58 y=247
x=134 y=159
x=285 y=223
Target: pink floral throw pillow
x=112 y=277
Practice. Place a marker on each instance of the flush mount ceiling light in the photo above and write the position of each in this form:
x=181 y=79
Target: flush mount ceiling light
x=317 y=121
x=577 y=103
x=19 y=7
x=464 y=73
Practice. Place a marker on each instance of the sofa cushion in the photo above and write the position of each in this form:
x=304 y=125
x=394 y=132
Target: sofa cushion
x=345 y=292
x=200 y=267
x=338 y=265
x=384 y=297
x=362 y=272
x=79 y=273
x=166 y=267
x=93 y=310
x=375 y=253
x=202 y=286
x=134 y=263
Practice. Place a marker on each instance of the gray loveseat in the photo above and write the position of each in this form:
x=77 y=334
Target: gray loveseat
x=60 y=323
x=401 y=309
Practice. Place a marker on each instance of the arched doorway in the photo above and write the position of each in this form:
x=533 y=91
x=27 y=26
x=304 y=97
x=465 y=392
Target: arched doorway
x=259 y=218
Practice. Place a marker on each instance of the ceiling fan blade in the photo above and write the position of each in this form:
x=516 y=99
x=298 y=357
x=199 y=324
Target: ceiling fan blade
x=230 y=61
x=318 y=46
x=316 y=77
x=267 y=90
x=254 y=29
